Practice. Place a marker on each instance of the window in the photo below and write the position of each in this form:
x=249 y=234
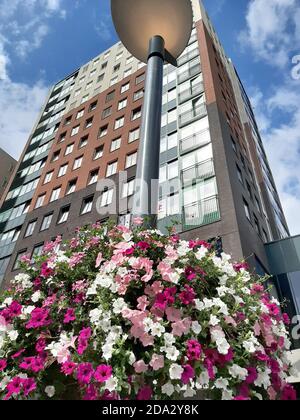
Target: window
x=256 y=224
x=239 y=174
x=75 y=130
x=55 y=194
x=125 y=87
x=169 y=171
x=169 y=117
x=38 y=250
x=119 y=55
x=119 y=123
x=103 y=131
x=233 y=143
x=247 y=211
x=93 y=72
x=71 y=187
x=169 y=206
x=82 y=79
x=63 y=215
x=80 y=114
x=62 y=137
x=89 y=122
x=100 y=78
x=114 y=80
x=48 y=177
x=122 y=104
x=140 y=79
x=131 y=160
x=136 y=113
x=134 y=135
x=93 y=106
x=129 y=60
x=107 y=198
x=138 y=95
x=83 y=142
x=30 y=228
x=115 y=144
x=106 y=112
x=77 y=92
x=169 y=142
x=18 y=259
x=117 y=68
x=98 y=153
x=68 y=120
x=46 y=222
x=110 y=96
x=104 y=65
x=85 y=98
x=169 y=96
x=77 y=163
x=93 y=177
x=55 y=156
x=62 y=170
x=249 y=189
x=40 y=201
x=112 y=168
x=127 y=72
x=89 y=85
x=69 y=149
x=87 y=205
x=128 y=189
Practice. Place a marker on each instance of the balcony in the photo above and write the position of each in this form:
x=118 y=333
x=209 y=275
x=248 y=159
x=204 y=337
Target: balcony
x=196 y=140
x=187 y=57
x=191 y=92
x=191 y=72
x=201 y=213
x=201 y=171
x=192 y=115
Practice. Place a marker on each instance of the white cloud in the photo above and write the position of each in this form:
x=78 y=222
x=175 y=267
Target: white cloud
x=282 y=143
x=273 y=29
x=23 y=27
x=20 y=105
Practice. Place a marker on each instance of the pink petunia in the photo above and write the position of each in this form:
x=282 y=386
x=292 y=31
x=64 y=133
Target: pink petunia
x=69 y=316
x=140 y=366
x=68 y=368
x=157 y=362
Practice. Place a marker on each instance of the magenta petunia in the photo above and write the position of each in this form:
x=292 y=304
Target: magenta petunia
x=39 y=318
x=85 y=373
x=69 y=316
x=3 y=364
x=188 y=374
x=68 y=368
x=103 y=373
x=145 y=394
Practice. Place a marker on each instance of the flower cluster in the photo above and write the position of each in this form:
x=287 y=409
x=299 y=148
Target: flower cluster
x=134 y=314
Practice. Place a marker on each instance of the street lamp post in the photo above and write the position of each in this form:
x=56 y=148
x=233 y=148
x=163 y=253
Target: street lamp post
x=155 y=32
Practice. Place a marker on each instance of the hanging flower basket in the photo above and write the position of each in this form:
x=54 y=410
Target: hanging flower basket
x=121 y=314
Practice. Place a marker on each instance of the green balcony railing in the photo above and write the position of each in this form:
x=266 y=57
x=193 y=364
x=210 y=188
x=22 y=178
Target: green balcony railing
x=201 y=213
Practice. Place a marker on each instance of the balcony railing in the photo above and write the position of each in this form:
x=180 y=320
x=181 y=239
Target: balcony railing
x=201 y=213
x=191 y=72
x=191 y=92
x=198 y=172
x=196 y=140
x=194 y=114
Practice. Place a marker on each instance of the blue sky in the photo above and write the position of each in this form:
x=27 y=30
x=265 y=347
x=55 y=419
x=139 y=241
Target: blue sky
x=41 y=41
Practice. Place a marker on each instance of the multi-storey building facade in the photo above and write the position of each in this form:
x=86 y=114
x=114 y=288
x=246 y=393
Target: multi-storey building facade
x=7 y=167
x=214 y=181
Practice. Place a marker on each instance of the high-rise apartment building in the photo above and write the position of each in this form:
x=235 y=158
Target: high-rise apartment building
x=215 y=180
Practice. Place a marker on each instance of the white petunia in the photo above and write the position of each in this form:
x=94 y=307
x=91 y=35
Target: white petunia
x=36 y=296
x=168 y=389
x=119 y=305
x=104 y=281
x=95 y=315
x=201 y=253
x=13 y=335
x=157 y=329
x=183 y=249
x=214 y=321
x=238 y=372
x=196 y=327
x=172 y=353
x=111 y=384
x=50 y=391
x=175 y=371
x=222 y=383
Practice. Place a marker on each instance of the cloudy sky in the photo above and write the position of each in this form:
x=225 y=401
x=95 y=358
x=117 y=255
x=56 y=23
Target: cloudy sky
x=41 y=41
